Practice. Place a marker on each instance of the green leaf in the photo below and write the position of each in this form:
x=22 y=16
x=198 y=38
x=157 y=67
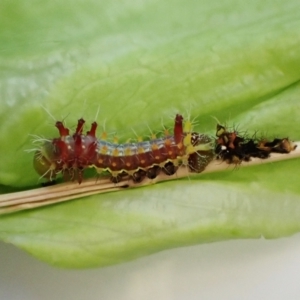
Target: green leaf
x=141 y=62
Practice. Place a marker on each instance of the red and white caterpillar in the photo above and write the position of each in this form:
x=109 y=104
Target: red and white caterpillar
x=71 y=154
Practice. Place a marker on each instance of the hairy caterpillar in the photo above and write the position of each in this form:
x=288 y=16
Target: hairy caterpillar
x=71 y=154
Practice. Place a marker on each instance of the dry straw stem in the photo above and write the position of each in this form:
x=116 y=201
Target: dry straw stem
x=71 y=190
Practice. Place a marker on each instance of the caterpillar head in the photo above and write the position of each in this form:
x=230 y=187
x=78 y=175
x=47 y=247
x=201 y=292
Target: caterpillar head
x=43 y=163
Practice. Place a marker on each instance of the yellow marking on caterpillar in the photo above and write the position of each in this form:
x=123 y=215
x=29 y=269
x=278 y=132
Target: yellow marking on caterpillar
x=115 y=152
x=180 y=146
x=188 y=127
x=154 y=147
x=127 y=152
x=103 y=136
x=187 y=140
x=103 y=150
x=153 y=136
x=141 y=150
x=168 y=142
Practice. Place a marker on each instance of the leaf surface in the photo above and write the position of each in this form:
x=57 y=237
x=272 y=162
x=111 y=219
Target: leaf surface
x=141 y=62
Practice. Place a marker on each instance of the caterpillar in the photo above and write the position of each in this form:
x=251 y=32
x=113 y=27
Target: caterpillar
x=71 y=154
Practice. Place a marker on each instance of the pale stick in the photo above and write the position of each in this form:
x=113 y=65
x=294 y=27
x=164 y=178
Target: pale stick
x=71 y=190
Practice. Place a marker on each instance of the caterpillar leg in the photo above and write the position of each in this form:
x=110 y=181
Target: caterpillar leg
x=138 y=176
x=169 y=168
x=153 y=172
